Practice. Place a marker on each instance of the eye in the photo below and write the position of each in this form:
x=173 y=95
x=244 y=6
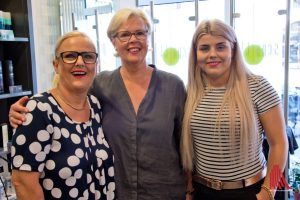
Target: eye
x=140 y=33
x=124 y=34
x=221 y=47
x=89 y=55
x=70 y=55
x=203 y=48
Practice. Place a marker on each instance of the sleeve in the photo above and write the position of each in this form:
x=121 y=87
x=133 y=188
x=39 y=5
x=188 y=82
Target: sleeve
x=180 y=102
x=266 y=96
x=31 y=141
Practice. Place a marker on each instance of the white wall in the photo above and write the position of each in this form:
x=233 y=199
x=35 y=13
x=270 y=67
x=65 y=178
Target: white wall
x=46 y=30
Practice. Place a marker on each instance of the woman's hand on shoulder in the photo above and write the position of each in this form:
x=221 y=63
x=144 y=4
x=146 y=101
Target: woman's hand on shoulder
x=17 y=112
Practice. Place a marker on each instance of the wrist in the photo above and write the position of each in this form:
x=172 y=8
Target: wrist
x=190 y=192
x=268 y=190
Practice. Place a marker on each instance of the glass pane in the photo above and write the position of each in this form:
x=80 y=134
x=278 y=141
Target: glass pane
x=88 y=25
x=262 y=35
x=294 y=86
x=173 y=32
x=262 y=40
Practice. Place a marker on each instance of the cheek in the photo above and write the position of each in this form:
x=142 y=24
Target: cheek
x=227 y=59
x=201 y=59
x=92 y=69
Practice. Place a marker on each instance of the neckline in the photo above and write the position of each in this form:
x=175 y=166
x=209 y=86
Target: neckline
x=68 y=103
x=71 y=119
x=126 y=94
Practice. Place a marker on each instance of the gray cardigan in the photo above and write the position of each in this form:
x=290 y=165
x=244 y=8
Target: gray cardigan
x=146 y=144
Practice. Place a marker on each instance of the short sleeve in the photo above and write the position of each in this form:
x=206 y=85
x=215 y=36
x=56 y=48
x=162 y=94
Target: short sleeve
x=265 y=96
x=32 y=140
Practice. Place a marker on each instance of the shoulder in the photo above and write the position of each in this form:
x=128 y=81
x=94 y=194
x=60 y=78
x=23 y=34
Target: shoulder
x=106 y=74
x=41 y=98
x=167 y=75
x=256 y=79
x=169 y=78
x=170 y=82
x=94 y=101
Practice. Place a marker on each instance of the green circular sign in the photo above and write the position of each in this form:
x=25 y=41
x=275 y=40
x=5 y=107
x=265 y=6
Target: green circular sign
x=253 y=54
x=171 y=56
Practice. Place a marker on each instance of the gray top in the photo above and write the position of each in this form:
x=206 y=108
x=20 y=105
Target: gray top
x=146 y=144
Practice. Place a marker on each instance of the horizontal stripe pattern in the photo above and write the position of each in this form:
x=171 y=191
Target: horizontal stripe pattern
x=215 y=157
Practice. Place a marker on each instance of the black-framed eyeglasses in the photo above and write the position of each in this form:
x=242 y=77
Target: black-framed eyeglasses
x=70 y=57
x=124 y=36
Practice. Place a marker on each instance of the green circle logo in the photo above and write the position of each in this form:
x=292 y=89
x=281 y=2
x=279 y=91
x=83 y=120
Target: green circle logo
x=253 y=54
x=171 y=56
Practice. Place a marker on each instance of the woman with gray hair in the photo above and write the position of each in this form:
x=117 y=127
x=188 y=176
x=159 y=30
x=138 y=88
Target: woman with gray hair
x=142 y=115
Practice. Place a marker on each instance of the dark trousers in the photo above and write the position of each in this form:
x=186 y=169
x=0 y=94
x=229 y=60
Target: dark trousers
x=205 y=193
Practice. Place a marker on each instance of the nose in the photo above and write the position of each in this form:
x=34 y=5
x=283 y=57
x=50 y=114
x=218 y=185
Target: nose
x=133 y=36
x=79 y=60
x=212 y=53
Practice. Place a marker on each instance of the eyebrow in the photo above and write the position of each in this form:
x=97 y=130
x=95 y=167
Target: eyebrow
x=219 y=43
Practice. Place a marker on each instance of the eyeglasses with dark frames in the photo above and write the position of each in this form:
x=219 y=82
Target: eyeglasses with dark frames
x=71 y=57
x=124 y=36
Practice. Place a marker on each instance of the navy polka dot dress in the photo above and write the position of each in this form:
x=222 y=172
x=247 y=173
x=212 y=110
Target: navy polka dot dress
x=74 y=158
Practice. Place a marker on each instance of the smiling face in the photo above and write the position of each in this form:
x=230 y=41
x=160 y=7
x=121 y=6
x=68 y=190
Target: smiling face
x=76 y=76
x=214 y=54
x=134 y=51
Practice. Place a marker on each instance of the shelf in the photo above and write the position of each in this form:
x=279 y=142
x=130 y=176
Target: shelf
x=3 y=153
x=17 y=94
x=16 y=39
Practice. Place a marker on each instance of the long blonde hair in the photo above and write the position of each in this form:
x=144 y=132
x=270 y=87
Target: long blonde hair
x=237 y=91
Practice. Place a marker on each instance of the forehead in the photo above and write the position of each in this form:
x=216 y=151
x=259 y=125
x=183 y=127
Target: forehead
x=77 y=43
x=209 y=39
x=132 y=24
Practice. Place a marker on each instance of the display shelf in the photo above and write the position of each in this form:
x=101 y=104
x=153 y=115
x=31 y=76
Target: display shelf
x=16 y=39
x=17 y=94
x=3 y=153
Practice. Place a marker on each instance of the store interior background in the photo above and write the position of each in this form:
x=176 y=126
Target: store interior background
x=261 y=27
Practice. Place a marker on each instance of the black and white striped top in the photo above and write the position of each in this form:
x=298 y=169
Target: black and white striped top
x=213 y=152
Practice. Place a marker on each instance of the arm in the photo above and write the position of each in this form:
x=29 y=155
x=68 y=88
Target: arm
x=16 y=112
x=27 y=185
x=189 y=186
x=274 y=126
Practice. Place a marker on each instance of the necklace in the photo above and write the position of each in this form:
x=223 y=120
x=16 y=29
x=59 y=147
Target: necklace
x=68 y=104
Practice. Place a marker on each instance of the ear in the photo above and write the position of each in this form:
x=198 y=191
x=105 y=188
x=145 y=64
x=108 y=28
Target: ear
x=55 y=65
x=113 y=41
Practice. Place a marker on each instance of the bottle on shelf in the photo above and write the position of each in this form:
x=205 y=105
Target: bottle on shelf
x=1 y=79
x=7 y=21
x=8 y=75
x=1 y=20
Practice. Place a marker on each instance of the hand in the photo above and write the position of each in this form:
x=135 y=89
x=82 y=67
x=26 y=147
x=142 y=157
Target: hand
x=17 y=112
x=262 y=195
x=189 y=197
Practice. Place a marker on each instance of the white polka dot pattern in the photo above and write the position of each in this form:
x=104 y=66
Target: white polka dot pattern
x=69 y=155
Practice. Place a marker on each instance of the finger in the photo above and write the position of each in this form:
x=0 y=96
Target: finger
x=14 y=123
x=19 y=105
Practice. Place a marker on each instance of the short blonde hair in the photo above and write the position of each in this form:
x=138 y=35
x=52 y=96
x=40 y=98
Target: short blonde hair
x=122 y=16
x=71 y=35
